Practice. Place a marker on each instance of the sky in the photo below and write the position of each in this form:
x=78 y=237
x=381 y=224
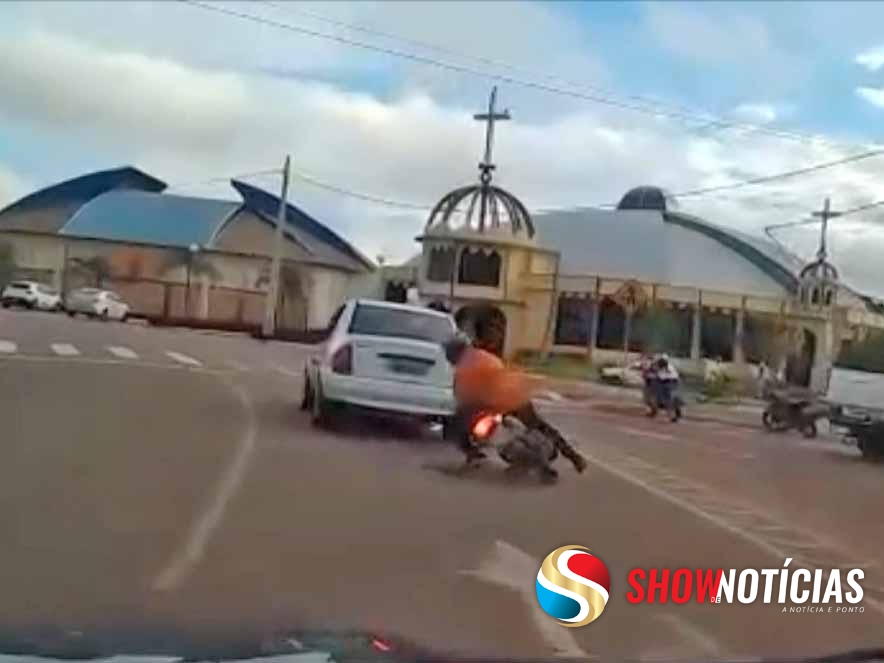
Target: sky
x=194 y=96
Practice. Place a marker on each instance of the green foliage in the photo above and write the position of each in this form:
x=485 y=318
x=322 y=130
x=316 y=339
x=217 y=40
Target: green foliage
x=7 y=264
x=867 y=355
x=560 y=366
x=722 y=385
x=200 y=264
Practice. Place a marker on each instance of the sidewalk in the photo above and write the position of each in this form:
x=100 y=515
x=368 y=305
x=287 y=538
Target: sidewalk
x=628 y=401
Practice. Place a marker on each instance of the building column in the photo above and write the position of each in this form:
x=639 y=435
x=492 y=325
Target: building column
x=696 y=331
x=203 y=312
x=739 y=333
x=593 y=336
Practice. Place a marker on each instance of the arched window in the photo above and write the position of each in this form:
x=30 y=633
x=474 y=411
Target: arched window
x=829 y=294
x=479 y=267
x=815 y=296
x=574 y=315
x=440 y=264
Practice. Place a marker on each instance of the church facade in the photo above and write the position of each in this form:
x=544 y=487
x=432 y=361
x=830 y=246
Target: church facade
x=644 y=277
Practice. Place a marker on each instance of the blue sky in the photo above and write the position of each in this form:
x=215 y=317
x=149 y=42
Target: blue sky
x=191 y=95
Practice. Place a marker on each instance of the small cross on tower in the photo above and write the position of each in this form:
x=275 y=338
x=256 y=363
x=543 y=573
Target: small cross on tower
x=825 y=214
x=489 y=118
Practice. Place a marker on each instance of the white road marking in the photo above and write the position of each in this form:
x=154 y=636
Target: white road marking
x=121 y=352
x=64 y=349
x=704 y=643
x=287 y=371
x=646 y=433
x=508 y=566
x=8 y=347
x=195 y=546
x=718 y=521
x=182 y=359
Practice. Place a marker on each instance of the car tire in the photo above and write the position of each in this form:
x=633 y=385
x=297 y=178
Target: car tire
x=320 y=409
x=6 y=303
x=103 y=316
x=307 y=398
x=72 y=314
x=29 y=305
x=124 y=317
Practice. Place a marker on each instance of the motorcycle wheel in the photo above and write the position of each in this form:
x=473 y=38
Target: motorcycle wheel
x=809 y=430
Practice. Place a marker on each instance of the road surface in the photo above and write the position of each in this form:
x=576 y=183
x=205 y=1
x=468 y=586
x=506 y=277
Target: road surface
x=162 y=480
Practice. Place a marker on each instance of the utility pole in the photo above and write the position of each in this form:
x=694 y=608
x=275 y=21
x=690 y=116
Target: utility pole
x=269 y=326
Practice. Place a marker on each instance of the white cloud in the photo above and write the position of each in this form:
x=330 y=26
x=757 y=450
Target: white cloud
x=872 y=59
x=185 y=123
x=873 y=95
x=757 y=113
x=12 y=186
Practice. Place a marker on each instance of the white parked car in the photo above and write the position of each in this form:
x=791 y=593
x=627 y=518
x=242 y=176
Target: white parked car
x=96 y=303
x=382 y=356
x=31 y=295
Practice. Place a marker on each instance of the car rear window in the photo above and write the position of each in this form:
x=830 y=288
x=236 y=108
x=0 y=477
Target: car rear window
x=383 y=321
x=20 y=285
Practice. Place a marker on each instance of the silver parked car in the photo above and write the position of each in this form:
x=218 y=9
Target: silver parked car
x=96 y=303
x=31 y=294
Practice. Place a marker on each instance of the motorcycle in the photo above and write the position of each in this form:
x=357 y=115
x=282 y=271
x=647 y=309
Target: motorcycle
x=517 y=446
x=793 y=408
x=663 y=395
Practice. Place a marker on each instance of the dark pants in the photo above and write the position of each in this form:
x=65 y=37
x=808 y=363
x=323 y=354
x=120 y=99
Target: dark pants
x=526 y=414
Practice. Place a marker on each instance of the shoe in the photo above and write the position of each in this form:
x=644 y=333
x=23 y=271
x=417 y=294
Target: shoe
x=579 y=464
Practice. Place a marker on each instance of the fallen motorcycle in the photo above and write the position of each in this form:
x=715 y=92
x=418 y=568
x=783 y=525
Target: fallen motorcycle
x=520 y=448
x=793 y=408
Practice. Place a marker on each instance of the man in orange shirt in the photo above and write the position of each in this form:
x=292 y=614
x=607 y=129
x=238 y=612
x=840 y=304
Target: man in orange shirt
x=481 y=381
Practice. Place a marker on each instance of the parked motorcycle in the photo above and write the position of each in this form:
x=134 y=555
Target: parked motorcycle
x=793 y=408
x=520 y=448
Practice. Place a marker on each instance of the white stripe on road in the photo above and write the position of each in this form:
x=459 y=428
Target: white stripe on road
x=64 y=349
x=195 y=546
x=8 y=347
x=182 y=359
x=509 y=567
x=287 y=371
x=121 y=352
x=646 y=433
x=764 y=544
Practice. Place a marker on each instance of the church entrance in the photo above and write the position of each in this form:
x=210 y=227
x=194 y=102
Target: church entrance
x=484 y=323
x=799 y=366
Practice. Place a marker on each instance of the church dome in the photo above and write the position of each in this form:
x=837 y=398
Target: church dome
x=648 y=198
x=820 y=270
x=481 y=208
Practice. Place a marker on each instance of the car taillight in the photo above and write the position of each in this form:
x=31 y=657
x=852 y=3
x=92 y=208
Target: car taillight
x=485 y=425
x=342 y=360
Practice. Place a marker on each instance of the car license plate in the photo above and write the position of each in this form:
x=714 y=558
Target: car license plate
x=409 y=366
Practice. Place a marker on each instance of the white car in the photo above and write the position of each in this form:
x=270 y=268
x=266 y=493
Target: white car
x=96 y=303
x=31 y=295
x=382 y=356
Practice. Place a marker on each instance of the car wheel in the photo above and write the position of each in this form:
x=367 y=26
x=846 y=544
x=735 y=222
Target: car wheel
x=321 y=409
x=6 y=303
x=124 y=317
x=307 y=398
x=29 y=305
x=103 y=315
x=72 y=314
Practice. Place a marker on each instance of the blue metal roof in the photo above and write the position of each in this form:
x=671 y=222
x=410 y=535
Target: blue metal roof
x=315 y=236
x=153 y=218
x=85 y=188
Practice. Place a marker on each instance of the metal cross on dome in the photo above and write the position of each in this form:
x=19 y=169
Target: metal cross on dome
x=490 y=118
x=825 y=214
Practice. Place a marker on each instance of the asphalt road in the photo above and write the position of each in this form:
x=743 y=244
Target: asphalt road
x=165 y=480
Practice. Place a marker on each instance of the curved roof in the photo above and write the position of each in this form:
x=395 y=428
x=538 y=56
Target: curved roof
x=318 y=238
x=152 y=218
x=72 y=193
x=670 y=248
x=480 y=208
x=647 y=197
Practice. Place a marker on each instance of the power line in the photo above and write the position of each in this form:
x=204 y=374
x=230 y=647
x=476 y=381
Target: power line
x=463 y=69
x=223 y=179
x=361 y=196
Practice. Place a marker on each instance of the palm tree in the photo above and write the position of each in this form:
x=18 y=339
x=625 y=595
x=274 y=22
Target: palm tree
x=97 y=268
x=293 y=290
x=197 y=265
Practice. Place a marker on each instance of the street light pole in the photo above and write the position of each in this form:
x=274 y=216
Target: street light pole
x=269 y=325
x=192 y=250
